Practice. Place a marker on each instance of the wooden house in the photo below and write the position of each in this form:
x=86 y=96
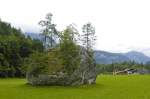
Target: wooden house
x=125 y=71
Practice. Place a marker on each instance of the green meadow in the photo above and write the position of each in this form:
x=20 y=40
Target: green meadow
x=106 y=87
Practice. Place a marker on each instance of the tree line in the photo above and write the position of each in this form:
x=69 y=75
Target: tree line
x=110 y=68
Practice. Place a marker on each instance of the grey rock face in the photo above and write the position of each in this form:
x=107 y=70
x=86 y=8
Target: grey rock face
x=85 y=74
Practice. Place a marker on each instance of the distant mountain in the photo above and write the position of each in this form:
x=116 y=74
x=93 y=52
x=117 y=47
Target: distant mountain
x=35 y=35
x=137 y=57
x=41 y=37
x=103 y=57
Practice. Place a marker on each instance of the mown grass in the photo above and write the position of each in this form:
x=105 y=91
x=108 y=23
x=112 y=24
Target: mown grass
x=107 y=87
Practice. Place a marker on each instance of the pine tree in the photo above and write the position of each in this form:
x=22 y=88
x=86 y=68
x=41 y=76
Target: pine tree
x=49 y=31
x=88 y=37
x=69 y=50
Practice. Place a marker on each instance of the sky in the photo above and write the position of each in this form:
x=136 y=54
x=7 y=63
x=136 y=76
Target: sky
x=121 y=25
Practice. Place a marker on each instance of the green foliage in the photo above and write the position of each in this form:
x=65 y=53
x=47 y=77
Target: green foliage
x=44 y=63
x=38 y=63
x=37 y=45
x=14 y=47
x=69 y=51
x=64 y=57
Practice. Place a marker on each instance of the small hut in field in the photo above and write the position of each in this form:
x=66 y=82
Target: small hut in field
x=125 y=71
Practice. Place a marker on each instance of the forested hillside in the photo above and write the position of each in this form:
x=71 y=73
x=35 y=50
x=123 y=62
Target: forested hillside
x=14 y=49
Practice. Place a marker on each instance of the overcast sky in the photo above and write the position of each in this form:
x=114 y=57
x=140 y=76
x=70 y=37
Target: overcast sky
x=121 y=25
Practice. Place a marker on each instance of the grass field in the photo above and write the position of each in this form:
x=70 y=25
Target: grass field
x=107 y=87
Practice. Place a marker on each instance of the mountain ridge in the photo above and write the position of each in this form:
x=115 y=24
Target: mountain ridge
x=104 y=57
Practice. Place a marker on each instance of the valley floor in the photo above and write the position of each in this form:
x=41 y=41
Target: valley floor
x=107 y=87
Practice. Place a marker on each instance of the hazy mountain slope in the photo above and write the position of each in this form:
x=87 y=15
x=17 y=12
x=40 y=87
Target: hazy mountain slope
x=137 y=57
x=103 y=57
x=35 y=35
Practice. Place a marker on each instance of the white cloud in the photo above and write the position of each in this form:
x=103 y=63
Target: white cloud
x=121 y=25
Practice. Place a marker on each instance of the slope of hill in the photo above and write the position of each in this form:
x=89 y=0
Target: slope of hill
x=103 y=57
x=137 y=57
x=35 y=35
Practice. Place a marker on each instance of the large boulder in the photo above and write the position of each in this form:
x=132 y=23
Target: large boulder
x=84 y=74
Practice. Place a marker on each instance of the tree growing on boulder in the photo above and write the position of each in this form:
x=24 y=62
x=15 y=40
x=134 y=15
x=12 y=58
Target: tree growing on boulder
x=49 y=31
x=88 y=40
x=69 y=50
x=88 y=36
x=65 y=64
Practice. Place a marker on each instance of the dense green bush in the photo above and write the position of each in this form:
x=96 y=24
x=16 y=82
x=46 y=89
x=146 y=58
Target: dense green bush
x=44 y=63
x=14 y=48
